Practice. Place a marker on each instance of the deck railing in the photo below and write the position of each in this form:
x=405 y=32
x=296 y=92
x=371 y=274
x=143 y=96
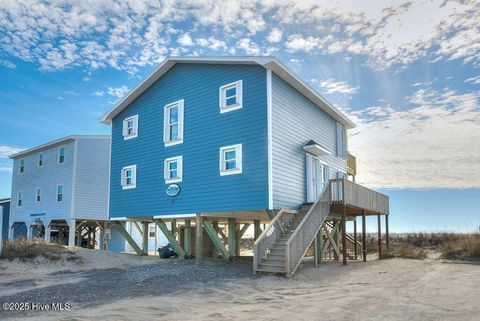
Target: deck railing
x=351 y=194
x=268 y=238
x=298 y=243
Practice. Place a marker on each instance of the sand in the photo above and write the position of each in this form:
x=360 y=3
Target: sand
x=394 y=289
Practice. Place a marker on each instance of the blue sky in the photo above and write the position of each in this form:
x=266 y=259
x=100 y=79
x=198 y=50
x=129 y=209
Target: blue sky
x=408 y=73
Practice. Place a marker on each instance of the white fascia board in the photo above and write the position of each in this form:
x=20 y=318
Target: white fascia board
x=175 y=216
x=118 y=219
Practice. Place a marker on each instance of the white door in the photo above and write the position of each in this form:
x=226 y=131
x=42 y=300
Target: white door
x=317 y=178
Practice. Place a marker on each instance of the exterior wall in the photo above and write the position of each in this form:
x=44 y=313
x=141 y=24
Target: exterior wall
x=46 y=178
x=5 y=209
x=205 y=131
x=92 y=178
x=118 y=244
x=296 y=120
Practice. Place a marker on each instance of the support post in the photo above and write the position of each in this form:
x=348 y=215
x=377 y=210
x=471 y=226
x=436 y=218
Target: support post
x=80 y=236
x=355 y=245
x=216 y=240
x=171 y=238
x=187 y=239
x=174 y=227
x=364 y=236
x=215 y=253
x=344 y=236
x=231 y=237
x=145 y=238
x=29 y=230
x=318 y=246
x=48 y=231
x=128 y=238
x=71 y=232
x=198 y=238
x=379 y=221
x=11 y=231
x=256 y=229
x=335 y=237
x=387 y=233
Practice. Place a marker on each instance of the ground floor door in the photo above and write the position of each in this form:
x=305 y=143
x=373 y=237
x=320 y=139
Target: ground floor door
x=317 y=177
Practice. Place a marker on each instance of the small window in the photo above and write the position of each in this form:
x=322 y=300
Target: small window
x=231 y=160
x=151 y=231
x=61 y=155
x=129 y=177
x=130 y=127
x=231 y=97
x=173 y=123
x=19 y=199
x=22 y=166
x=173 y=169
x=59 y=193
x=38 y=195
x=341 y=141
x=40 y=160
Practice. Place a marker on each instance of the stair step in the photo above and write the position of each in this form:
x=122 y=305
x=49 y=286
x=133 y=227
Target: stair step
x=276 y=256
x=270 y=270
x=279 y=260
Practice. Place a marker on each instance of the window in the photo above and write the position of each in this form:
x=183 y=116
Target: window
x=40 y=160
x=129 y=177
x=38 y=195
x=130 y=127
x=61 y=155
x=325 y=174
x=230 y=97
x=19 y=199
x=173 y=123
x=341 y=141
x=151 y=231
x=59 y=193
x=22 y=166
x=173 y=168
x=231 y=160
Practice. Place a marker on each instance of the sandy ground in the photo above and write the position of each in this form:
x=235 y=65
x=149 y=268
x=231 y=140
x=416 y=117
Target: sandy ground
x=153 y=289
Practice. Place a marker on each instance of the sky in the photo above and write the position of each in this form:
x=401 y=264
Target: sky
x=406 y=72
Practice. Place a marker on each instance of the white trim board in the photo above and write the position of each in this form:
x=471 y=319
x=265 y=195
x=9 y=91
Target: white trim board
x=270 y=139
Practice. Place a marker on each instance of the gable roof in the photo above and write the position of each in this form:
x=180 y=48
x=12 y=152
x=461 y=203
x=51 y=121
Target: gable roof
x=56 y=142
x=268 y=62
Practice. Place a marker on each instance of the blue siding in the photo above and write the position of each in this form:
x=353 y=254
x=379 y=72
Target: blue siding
x=296 y=120
x=5 y=209
x=205 y=131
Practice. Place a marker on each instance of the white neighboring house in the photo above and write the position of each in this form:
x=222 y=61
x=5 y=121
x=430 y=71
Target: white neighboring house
x=62 y=186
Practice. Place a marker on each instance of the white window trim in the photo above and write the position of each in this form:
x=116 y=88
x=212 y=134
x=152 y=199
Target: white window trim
x=166 y=127
x=134 y=177
x=19 y=198
x=154 y=231
x=126 y=136
x=64 y=153
x=56 y=193
x=20 y=166
x=38 y=194
x=238 y=160
x=38 y=159
x=222 y=98
x=179 y=160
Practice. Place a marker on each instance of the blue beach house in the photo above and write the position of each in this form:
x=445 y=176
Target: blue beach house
x=213 y=145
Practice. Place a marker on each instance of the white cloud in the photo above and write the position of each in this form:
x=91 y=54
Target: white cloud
x=98 y=93
x=185 y=40
x=6 y=151
x=118 y=92
x=248 y=46
x=275 y=35
x=5 y=169
x=433 y=144
x=473 y=80
x=331 y=86
x=7 y=64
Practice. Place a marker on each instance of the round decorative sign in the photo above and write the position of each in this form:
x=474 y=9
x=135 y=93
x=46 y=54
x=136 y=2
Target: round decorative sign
x=172 y=190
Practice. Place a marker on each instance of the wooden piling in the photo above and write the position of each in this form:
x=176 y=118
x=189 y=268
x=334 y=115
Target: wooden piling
x=231 y=237
x=355 y=247
x=379 y=221
x=145 y=238
x=256 y=229
x=387 y=232
x=344 y=236
x=364 y=235
x=187 y=238
x=198 y=238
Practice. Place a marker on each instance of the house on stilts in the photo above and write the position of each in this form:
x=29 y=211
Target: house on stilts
x=60 y=192
x=206 y=147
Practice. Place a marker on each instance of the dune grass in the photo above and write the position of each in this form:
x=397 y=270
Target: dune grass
x=466 y=247
x=25 y=250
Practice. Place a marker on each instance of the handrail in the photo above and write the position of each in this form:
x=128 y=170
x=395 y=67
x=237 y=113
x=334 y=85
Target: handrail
x=269 y=225
x=298 y=243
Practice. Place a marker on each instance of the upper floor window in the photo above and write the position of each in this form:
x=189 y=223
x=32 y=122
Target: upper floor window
x=38 y=195
x=231 y=160
x=173 y=169
x=59 y=193
x=231 y=97
x=61 y=155
x=151 y=231
x=130 y=127
x=173 y=123
x=40 y=160
x=21 y=169
x=19 y=199
x=129 y=177
x=341 y=141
